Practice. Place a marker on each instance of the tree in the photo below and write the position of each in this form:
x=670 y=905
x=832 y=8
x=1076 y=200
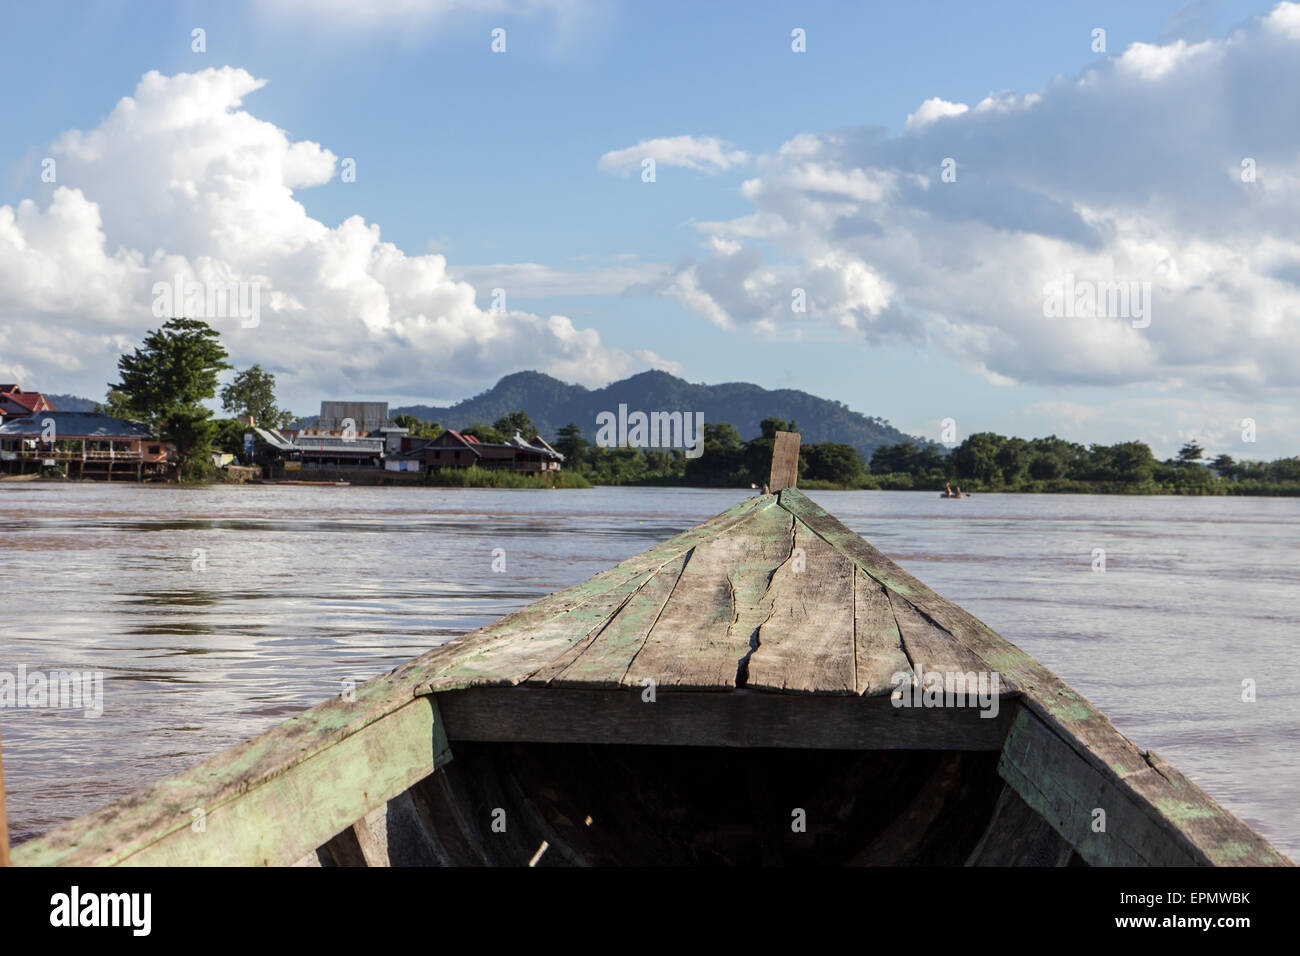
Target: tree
x=770 y=426
x=165 y=383
x=570 y=443
x=485 y=433
x=507 y=425
x=418 y=427
x=115 y=404
x=1224 y=466
x=834 y=462
x=977 y=457
x=1013 y=459
x=1190 y=454
x=252 y=393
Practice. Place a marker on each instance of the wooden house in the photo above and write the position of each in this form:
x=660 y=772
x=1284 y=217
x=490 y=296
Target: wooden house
x=452 y=449
x=83 y=445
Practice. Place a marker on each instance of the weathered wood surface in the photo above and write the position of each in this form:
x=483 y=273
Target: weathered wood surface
x=521 y=644
x=705 y=633
x=1217 y=835
x=879 y=657
x=806 y=644
x=705 y=719
x=266 y=802
x=785 y=462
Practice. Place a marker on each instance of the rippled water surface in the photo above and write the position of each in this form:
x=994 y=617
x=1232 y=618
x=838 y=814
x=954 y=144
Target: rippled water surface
x=293 y=590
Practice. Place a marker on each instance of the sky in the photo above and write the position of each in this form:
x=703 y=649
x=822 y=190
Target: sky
x=886 y=205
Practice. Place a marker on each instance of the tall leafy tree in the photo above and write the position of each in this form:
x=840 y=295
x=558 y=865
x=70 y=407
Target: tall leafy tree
x=252 y=393
x=507 y=425
x=1190 y=454
x=570 y=443
x=166 y=382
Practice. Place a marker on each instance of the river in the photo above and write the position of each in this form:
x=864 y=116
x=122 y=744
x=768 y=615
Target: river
x=215 y=612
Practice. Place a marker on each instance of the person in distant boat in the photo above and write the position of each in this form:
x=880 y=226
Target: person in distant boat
x=958 y=495
x=947 y=490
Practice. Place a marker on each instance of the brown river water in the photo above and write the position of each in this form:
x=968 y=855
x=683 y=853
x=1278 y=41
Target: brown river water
x=213 y=613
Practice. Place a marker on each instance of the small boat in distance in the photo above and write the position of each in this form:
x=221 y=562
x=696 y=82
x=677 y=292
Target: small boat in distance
x=765 y=688
x=949 y=493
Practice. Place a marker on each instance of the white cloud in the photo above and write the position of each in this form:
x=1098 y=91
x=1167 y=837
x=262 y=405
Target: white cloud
x=179 y=180
x=1131 y=173
x=703 y=153
x=531 y=279
x=931 y=110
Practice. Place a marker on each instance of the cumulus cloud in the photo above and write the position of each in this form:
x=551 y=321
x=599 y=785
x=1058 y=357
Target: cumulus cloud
x=931 y=110
x=1131 y=172
x=178 y=180
x=705 y=154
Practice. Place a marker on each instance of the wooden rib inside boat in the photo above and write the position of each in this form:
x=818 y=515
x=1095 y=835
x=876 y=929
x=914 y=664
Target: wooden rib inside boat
x=758 y=690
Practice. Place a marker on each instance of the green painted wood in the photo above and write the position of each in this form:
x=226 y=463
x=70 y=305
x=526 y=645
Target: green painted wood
x=806 y=644
x=257 y=809
x=1066 y=789
x=1218 y=835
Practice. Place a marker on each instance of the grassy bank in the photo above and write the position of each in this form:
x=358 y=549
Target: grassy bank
x=490 y=478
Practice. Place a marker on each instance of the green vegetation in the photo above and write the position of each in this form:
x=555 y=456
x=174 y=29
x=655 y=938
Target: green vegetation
x=475 y=477
x=727 y=461
x=418 y=427
x=253 y=393
x=165 y=383
x=987 y=462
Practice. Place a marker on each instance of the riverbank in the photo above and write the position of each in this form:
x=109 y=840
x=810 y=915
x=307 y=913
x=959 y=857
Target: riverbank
x=486 y=478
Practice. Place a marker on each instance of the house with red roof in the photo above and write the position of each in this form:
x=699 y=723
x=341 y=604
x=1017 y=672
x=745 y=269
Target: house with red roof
x=14 y=401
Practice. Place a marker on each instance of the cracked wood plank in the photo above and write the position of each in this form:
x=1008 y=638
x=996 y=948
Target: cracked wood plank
x=520 y=644
x=603 y=660
x=806 y=643
x=879 y=654
x=704 y=634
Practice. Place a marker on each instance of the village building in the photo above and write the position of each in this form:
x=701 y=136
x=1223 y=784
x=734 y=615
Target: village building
x=82 y=445
x=14 y=402
x=451 y=449
x=347 y=435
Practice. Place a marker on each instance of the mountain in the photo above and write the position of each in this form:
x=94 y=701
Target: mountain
x=552 y=404
x=70 y=403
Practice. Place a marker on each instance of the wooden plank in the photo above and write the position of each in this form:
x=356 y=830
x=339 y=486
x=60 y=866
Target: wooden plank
x=933 y=650
x=1221 y=837
x=742 y=718
x=603 y=660
x=806 y=645
x=1018 y=836
x=785 y=462
x=518 y=645
x=704 y=633
x=1067 y=790
x=255 y=813
x=879 y=652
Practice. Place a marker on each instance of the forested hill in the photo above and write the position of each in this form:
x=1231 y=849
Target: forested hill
x=553 y=404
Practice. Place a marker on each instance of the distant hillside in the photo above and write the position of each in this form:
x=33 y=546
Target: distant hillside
x=70 y=403
x=553 y=403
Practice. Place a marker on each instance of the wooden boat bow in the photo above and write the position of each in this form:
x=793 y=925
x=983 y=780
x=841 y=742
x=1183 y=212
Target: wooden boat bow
x=771 y=633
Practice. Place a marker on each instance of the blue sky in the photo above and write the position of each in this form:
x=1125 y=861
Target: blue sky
x=493 y=162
